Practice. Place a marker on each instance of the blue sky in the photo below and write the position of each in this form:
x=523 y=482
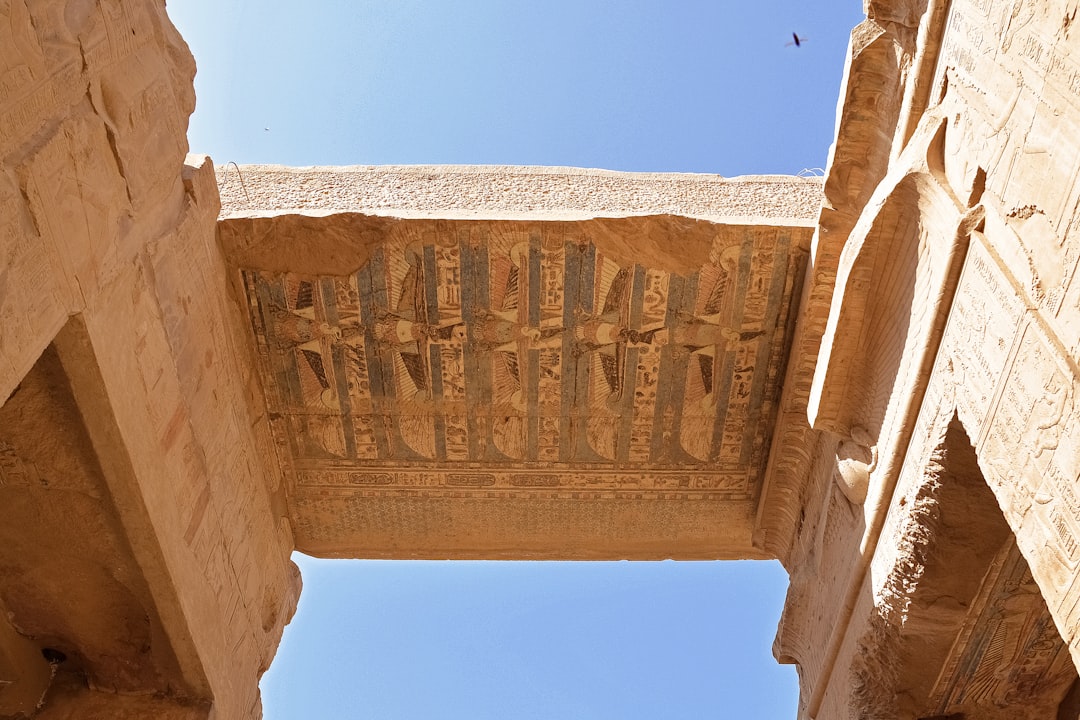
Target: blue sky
x=617 y=84
x=642 y=86
x=533 y=641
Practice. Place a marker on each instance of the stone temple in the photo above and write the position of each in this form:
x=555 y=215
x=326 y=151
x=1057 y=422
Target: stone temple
x=874 y=377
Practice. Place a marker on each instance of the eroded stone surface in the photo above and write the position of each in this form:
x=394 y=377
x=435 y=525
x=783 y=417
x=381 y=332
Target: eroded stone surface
x=181 y=408
x=602 y=388
x=515 y=193
x=977 y=334
x=141 y=537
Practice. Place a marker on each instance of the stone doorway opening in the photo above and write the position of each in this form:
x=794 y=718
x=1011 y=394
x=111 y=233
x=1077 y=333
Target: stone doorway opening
x=86 y=628
x=962 y=629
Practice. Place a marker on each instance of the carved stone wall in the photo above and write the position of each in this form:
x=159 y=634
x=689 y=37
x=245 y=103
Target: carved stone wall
x=535 y=386
x=141 y=541
x=951 y=329
x=499 y=362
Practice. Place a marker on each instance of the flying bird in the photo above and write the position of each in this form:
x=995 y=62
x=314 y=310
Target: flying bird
x=796 y=40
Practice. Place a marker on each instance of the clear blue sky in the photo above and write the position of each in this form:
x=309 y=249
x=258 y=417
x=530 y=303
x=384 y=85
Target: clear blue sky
x=646 y=86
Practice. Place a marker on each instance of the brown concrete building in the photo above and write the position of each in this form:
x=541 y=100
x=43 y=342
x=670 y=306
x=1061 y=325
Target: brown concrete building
x=874 y=379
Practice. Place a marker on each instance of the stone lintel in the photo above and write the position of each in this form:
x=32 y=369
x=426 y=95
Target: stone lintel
x=519 y=388
x=500 y=192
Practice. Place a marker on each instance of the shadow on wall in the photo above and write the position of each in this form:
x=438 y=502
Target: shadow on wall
x=958 y=627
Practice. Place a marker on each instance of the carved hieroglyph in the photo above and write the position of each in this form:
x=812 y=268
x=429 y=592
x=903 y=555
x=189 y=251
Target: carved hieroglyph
x=523 y=352
x=1008 y=651
x=139 y=537
x=978 y=100
x=526 y=363
x=519 y=367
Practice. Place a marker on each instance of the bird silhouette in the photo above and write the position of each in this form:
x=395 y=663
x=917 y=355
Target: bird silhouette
x=796 y=40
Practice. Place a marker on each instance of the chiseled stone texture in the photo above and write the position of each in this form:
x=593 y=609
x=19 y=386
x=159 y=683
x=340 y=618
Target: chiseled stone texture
x=925 y=497
x=141 y=537
x=602 y=388
x=921 y=486
x=516 y=193
x=392 y=454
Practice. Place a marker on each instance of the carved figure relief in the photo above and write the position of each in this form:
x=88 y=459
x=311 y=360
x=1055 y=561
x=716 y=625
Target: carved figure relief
x=856 y=458
x=1009 y=652
x=528 y=351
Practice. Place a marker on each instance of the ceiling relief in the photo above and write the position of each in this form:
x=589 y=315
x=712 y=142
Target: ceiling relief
x=1009 y=653
x=523 y=358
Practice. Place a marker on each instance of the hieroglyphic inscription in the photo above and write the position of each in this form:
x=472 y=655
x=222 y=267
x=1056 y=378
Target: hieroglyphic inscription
x=127 y=27
x=1068 y=318
x=31 y=93
x=527 y=351
x=729 y=485
x=21 y=56
x=14 y=471
x=979 y=337
x=1010 y=652
x=398 y=525
x=1017 y=100
x=1032 y=456
x=966 y=38
x=24 y=273
x=21 y=116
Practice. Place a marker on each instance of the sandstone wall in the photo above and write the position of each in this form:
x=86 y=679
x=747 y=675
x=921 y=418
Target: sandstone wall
x=110 y=267
x=494 y=422
x=942 y=322
x=922 y=481
x=499 y=192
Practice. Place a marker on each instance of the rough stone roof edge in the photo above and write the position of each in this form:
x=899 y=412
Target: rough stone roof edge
x=495 y=192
